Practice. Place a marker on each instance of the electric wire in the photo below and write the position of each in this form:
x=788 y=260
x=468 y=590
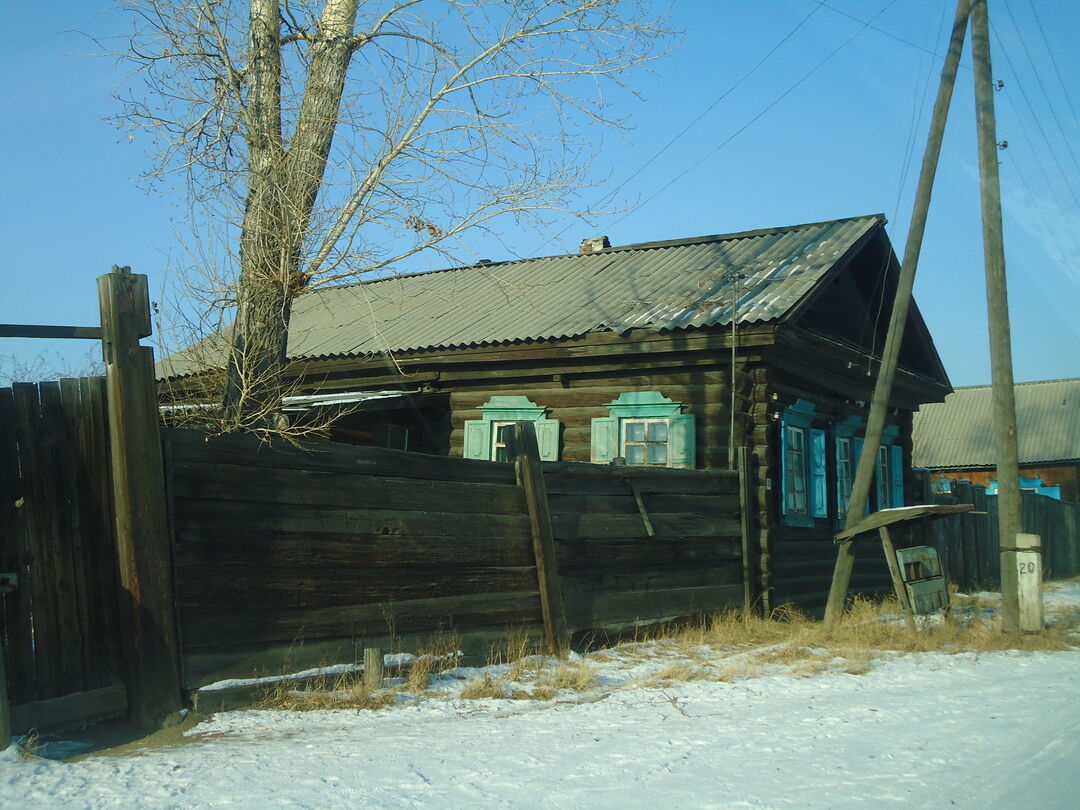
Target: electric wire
x=1053 y=61
x=1042 y=86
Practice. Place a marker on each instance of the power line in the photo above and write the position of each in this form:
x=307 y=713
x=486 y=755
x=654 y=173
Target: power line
x=1053 y=61
x=753 y=120
x=1034 y=117
x=1038 y=78
x=611 y=195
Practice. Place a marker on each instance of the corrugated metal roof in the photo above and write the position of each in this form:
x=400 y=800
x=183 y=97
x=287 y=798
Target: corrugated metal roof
x=959 y=432
x=657 y=285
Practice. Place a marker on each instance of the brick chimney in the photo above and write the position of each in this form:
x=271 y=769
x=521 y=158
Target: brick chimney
x=594 y=244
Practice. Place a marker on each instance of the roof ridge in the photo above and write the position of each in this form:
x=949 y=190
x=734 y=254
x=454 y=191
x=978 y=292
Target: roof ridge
x=690 y=240
x=1015 y=384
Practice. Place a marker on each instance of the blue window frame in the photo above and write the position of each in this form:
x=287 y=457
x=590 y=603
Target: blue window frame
x=803 y=480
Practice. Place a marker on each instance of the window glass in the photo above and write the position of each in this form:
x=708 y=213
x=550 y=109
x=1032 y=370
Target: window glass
x=884 y=477
x=843 y=473
x=645 y=441
x=500 y=439
x=796 y=470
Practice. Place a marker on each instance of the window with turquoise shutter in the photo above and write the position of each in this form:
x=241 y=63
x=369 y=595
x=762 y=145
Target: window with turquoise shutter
x=486 y=438
x=645 y=428
x=803 y=472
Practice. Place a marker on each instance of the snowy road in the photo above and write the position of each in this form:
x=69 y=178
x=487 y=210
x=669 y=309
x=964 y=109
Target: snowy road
x=997 y=730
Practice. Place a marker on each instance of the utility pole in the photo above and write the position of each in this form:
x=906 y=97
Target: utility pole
x=1008 y=465
x=875 y=423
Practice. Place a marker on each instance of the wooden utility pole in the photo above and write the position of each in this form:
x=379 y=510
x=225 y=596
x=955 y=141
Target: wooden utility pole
x=875 y=423
x=997 y=303
x=142 y=531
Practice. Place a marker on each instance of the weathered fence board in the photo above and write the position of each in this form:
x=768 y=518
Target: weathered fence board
x=290 y=557
x=60 y=624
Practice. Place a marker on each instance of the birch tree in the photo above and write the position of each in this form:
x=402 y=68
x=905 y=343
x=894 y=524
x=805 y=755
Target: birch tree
x=330 y=140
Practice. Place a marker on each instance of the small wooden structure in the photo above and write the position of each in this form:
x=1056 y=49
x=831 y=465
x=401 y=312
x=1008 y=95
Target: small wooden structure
x=881 y=521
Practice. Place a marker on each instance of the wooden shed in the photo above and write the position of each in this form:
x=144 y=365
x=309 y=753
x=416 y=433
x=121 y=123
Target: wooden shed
x=666 y=353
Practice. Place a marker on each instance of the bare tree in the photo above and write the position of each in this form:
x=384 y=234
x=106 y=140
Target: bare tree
x=332 y=139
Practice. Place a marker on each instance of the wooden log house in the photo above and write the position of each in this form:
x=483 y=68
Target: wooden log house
x=625 y=353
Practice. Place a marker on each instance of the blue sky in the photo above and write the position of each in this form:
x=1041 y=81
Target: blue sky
x=779 y=149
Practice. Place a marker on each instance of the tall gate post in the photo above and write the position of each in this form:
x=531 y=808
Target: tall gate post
x=150 y=645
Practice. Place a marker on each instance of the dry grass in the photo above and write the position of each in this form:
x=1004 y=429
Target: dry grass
x=485 y=687
x=345 y=691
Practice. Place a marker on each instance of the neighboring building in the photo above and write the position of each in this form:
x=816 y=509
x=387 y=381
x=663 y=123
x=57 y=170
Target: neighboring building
x=954 y=440
x=625 y=352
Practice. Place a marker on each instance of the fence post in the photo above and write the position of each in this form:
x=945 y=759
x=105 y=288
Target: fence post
x=530 y=477
x=142 y=531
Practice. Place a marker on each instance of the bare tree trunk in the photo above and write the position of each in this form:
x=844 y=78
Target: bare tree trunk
x=283 y=186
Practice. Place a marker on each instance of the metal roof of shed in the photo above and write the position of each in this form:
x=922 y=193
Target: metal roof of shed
x=959 y=431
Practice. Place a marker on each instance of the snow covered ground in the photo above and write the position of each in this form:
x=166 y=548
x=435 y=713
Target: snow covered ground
x=987 y=730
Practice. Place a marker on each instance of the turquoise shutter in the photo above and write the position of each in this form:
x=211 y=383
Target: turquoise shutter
x=547 y=438
x=605 y=439
x=857 y=445
x=818 y=483
x=784 y=464
x=681 y=441
x=896 y=460
x=478 y=439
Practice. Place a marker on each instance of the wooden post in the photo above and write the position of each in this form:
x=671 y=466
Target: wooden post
x=897 y=578
x=530 y=477
x=746 y=502
x=997 y=303
x=143 y=546
x=875 y=422
x=373 y=668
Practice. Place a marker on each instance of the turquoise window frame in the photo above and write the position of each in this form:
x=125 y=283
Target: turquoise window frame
x=480 y=434
x=803 y=469
x=608 y=440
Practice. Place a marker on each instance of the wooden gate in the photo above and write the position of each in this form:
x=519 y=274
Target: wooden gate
x=60 y=616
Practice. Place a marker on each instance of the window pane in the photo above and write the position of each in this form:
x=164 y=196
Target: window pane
x=658 y=431
x=635 y=431
x=505 y=432
x=635 y=454
x=658 y=453
x=501 y=454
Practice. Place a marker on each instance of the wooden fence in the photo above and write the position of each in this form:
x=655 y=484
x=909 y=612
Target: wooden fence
x=60 y=622
x=969 y=545
x=286 y=558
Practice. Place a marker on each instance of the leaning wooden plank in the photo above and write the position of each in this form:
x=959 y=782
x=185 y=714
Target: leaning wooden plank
x=887 y=517
x=524 y=448
x=78 y=707
x=246 y=450
x=238 y=482
x=572 y=527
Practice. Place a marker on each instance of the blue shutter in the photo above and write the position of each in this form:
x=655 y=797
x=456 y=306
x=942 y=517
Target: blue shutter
x=817 y=489
x=478 y=439
x=784 y=464
x=605 y=439
x=681 y=441
x=857 y=445
x=547 y=438
x=896 y=460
